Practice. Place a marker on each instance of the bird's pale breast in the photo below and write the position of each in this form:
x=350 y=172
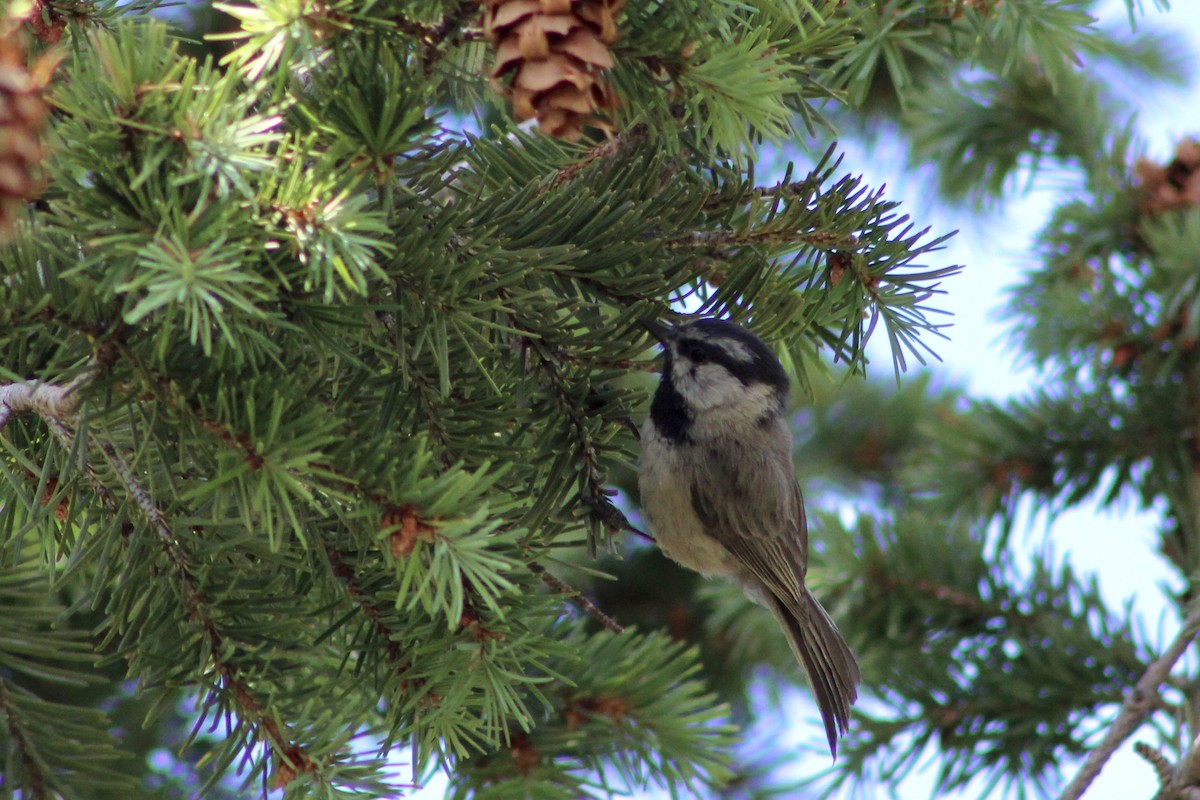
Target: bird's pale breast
x=665 y=479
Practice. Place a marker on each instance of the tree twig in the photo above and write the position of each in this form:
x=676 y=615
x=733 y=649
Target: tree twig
x=1162 y=765
x=579 y=598
x=1137 y=706
x=48 y=400
x=1180 y=781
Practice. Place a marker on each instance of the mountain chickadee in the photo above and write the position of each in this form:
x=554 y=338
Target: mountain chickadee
x=720 y=493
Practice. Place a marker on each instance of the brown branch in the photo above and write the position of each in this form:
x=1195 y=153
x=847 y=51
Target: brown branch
x=579 y=598
x=363 y=599
x=613 y=146
x=53 y=403
x=719 y=242
x=1138 y=704
x=1185 y=781
x=594 y=495
x=956 y=599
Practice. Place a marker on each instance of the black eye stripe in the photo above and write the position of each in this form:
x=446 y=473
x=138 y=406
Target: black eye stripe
x=763 y=366
x=701 y=352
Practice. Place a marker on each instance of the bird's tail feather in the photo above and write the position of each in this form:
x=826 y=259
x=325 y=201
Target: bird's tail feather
x=826 y=658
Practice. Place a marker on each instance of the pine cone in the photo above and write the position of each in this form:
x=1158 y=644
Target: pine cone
x=23 y=112
x=1175 y=185
x=555 y=50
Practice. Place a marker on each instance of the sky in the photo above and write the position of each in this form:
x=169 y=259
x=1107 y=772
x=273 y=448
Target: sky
x=995 y=248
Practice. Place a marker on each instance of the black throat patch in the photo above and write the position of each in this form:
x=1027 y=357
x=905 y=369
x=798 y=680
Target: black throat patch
x=668 y=412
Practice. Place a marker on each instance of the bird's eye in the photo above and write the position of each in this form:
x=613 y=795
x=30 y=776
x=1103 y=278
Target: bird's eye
x=696 y=353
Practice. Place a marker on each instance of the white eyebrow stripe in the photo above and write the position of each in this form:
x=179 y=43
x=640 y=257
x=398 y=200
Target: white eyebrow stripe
x=732 y=347
x=737 y=350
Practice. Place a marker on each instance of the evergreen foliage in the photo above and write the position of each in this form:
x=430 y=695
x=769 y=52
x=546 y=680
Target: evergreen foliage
x=315 y=398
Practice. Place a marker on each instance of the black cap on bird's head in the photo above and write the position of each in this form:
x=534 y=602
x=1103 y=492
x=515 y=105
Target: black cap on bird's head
x=738 y=350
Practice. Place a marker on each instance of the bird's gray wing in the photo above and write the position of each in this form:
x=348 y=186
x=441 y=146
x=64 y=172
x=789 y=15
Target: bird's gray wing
x=757 y=514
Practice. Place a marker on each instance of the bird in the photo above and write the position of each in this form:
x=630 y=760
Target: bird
x=719 y=491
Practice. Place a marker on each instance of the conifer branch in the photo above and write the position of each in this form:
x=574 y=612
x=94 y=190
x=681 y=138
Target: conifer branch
x=55 y=402
x=362 y=598
x=961 y=602
x=1138 y=704
x=246 y=253
x=291 y=757
x=344 y=572
x=595 y=490
x=241 y=441
x=436 y=39
x=35 y=776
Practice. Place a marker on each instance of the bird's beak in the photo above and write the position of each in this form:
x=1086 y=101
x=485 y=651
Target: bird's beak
x=658 y=330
